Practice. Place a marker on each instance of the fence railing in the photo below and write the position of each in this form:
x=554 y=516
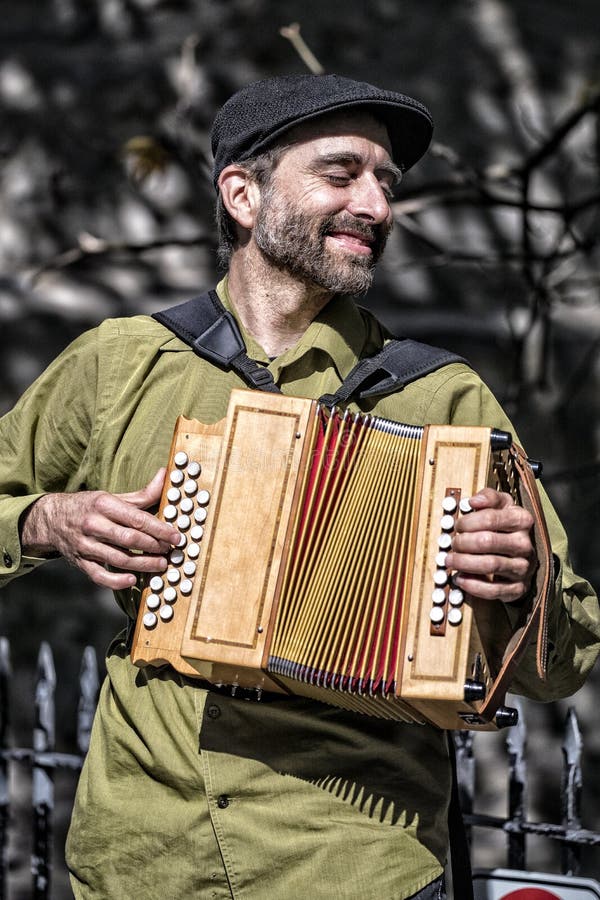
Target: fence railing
x=44 y=761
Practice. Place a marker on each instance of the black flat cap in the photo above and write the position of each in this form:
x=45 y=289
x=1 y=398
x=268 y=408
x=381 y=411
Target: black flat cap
x=260 y=113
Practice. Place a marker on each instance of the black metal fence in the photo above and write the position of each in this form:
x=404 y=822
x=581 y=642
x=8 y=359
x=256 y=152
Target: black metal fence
x=43 y=762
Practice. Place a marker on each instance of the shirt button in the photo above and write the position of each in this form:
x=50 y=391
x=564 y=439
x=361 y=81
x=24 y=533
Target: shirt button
x=214 y=711
x=223 y=801
x=7 y=560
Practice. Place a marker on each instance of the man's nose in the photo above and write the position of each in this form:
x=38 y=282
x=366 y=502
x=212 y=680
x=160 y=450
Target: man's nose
x=368 y=200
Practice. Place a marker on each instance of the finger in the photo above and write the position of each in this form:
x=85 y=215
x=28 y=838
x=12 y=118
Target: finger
x=149 y=494
x=504 y=567
x=498 y=543
x=499 y=519
x=496 y=589
x=121 y=523
x=489 y=498
x=116 y=581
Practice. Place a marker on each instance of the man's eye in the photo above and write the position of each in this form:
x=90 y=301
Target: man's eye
x=340 y=179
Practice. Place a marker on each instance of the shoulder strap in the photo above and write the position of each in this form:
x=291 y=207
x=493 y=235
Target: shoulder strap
x=213 y=334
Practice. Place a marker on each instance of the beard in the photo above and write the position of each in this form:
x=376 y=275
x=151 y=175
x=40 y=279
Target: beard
x=294 y=241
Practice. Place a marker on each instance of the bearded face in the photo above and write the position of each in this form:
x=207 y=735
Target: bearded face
x=295 y=241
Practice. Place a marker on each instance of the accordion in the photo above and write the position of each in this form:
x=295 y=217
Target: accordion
x=312 y=562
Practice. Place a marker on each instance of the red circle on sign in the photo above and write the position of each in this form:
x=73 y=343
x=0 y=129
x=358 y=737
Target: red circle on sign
x=530 y=893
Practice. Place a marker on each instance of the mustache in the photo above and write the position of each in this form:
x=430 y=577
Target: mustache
x=377 y=235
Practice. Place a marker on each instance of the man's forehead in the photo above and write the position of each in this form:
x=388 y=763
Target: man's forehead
x=339 y=125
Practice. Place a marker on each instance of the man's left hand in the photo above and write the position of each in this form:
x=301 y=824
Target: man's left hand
x=492 y=552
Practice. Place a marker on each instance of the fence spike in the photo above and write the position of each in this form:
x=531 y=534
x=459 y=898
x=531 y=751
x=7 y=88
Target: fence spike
x=516 y=743
x=572 y=748
x=43 y=782
x=88 y=696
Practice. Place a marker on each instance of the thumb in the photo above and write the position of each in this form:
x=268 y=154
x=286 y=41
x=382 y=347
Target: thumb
x=149 y=494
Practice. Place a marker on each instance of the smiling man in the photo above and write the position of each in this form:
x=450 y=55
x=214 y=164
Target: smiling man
x=188 y=791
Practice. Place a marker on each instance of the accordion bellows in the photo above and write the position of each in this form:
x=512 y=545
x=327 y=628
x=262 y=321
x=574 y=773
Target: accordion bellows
x=312 y=561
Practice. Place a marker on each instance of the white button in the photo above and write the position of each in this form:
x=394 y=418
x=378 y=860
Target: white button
x=182 y=540
x=438 y=595
x=176 y=477
x=189 y=568
x=203 y=497
x=173 y=495
x=170 y=595
x=197 y=532
x=166 y=613
x=447 y=523
x=170 y=512
x=183 y=522
x=149 y=620
x=455 y=616
x=193 y=551
x=456 y=597
x=190 y=487
x=152 y=601
x=465 y=506
x=440 y=559
x=156 y=583
x=176 y=557
x=449 y=504
x=181 y=458
x=173 y=576
x=186 y=586
x=186 y=505
x=200 y=515
x=436 y=615
x=444 y=541
x=194 y=469
x=440 y=577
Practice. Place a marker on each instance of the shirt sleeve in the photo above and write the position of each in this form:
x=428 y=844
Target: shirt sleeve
x=46 y=445
x=574 y=615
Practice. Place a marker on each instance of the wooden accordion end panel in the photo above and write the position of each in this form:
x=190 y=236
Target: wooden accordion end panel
x=312 y=561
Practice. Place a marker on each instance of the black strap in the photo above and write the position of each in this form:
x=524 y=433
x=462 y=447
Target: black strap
x=213 y=334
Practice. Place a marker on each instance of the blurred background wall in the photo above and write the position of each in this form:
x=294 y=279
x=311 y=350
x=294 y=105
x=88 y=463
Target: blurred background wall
x=106 y=210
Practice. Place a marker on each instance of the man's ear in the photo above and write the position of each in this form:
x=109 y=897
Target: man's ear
x=240 y=195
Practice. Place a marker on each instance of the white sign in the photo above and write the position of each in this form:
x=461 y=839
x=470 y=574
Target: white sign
x=508 y=884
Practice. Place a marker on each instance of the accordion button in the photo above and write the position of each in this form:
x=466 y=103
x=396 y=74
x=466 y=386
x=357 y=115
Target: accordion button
x=183 y=523
x=447 y=523
x=173 y=576
x=176 y=477
x=181 y=458
x=189 y=568
x=438 y=596
x=436 y=615
x=440 y=559
x=203 y=497
x=455 y=597
x=465 y=506
x=444 y=541
x=149 y=620
x=166 y=613
x=190 y=487
x=152 y=601
x=449 y=504
x=200 y=515
x=156 y=583
x=440 y=577
x=193 y=551
x=455 y=616
x=186 y=505
x=173 y=495
x=170 y=512
x=186 y=586
x=197 y=532
x=182 y=540
x=176 y=557
x=194 y=469
x=170 y=595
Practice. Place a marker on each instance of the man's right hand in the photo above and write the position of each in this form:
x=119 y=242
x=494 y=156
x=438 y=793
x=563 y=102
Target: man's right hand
x=95 y=529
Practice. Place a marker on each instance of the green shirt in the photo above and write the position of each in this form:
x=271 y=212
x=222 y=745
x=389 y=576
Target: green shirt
x=186 y=792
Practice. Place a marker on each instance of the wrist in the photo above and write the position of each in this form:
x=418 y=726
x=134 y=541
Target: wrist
x=37 y=534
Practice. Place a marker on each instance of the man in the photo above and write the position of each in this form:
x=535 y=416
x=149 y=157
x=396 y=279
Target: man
x=187 y=791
